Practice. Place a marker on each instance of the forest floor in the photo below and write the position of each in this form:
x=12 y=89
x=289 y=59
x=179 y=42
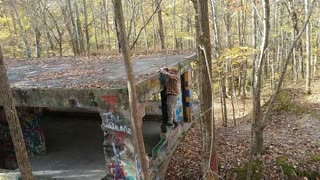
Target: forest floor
x=291 y=140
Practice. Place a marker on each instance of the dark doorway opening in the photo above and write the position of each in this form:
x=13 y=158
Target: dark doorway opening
x=74 y=144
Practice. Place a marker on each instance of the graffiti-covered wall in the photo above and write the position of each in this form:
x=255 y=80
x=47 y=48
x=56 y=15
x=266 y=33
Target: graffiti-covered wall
x=32 y=133
x=179 y=105
x=118 y=139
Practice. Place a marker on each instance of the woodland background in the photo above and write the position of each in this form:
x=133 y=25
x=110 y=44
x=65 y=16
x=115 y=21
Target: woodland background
x=259 y=47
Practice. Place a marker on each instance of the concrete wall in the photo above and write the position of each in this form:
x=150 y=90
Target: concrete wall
x=32 y=132
x=121 y=156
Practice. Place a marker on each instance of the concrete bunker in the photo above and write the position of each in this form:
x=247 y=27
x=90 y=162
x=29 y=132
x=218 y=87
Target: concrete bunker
x=120 y=160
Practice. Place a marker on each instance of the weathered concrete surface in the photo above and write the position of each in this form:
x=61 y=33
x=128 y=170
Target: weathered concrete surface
x=50 y=84
x=82 y=73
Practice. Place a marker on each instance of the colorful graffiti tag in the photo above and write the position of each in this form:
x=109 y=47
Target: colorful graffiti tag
x=117 y=142
x=109 y=121
x=179 y=106
x=32 y=132
x=139 y=170
x=186 y=96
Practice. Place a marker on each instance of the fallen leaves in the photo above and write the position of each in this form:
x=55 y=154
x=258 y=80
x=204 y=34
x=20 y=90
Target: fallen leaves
x=289 y=134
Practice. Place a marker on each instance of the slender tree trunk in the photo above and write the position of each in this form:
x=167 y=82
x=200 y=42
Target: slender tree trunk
x=86 y=28
x=146 y=42
x=174 y=38
x=196 y=23
x=308 y=55
x=69 y=28
x=60 y=45
x=49 y=40
x=94 y=24
x=244 y=79
x=136 y=120
x=23 y=35
x=221 y=77
x=315 y=64
x=38 y=46
x=74 y=29
x=79 y=30
x=160 y=25
x=209 y=157
x=14 y=124
x=257 y=147
x=106 y=6
x=154 y=34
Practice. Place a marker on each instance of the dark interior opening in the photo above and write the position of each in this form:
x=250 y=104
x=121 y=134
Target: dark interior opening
x=151 y=132
x=152 y=122
x=74 y=144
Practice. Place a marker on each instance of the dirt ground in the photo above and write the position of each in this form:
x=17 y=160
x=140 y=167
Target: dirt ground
x=291 y=140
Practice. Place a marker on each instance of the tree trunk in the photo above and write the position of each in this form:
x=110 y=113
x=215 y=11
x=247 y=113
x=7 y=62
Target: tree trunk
x=106 y=6
x=23 y=35
x=79 y=30
x=257 y=147
x=209 y=157
x=315 y=64
x=38 y=46
x=69 y=28
x=94 y=24
x=86 y=28
x=174 y=22
x=136 y=120
x=74 y=33
x=160 y=25
x=308 y=55
x=14 y=124
x=146 y=42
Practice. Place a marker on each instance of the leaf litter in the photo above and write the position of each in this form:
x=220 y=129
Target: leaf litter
x=292 y=134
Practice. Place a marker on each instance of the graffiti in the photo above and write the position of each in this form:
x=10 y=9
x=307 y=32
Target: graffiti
x=186 y=96
x=115 y=127
x=109 y=121
x=32 y=131
x=109 y=117
x=138 y=168
x=117 y=138
x=160 y=149
x=114 y=146
x=111 y=102
x=117 y=168
x=179 y=107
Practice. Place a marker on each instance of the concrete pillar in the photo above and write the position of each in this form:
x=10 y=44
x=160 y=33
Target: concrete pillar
x=119 y=148
x=186 y=95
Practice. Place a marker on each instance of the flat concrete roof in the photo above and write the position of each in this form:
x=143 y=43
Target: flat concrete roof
x=83 y=73
x=52 y=82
